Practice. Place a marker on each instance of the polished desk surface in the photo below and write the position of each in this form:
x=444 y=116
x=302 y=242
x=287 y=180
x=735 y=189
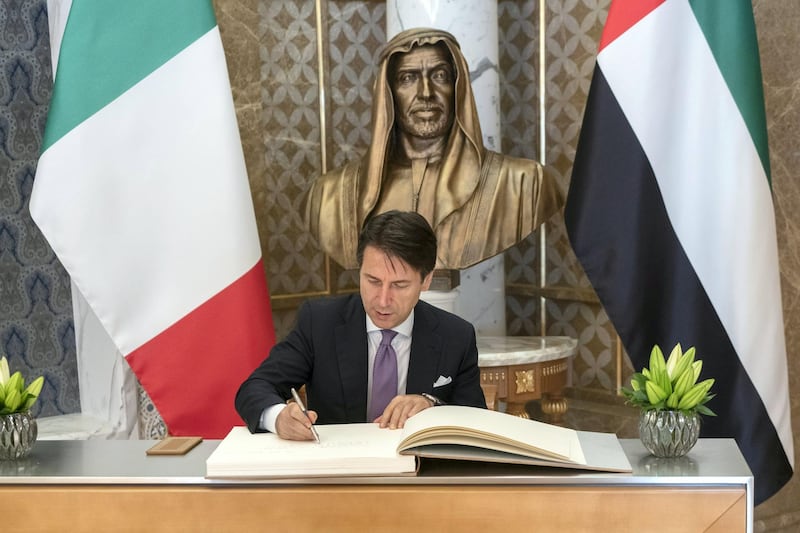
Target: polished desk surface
x=78 y=462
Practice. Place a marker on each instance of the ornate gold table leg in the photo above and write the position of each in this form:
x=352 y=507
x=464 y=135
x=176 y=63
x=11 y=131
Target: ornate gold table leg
x=554 y=407
x=517 y=409
x=490 y=395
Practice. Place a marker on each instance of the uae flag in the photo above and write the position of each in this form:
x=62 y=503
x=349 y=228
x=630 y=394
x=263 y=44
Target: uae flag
x=670 y=211
x=142 y=192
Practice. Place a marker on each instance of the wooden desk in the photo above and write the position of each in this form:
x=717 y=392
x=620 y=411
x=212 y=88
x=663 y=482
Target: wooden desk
x=98 y=485
x=521 y=369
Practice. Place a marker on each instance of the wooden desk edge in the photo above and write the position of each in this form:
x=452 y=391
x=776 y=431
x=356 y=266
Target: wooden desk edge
x=374 y=507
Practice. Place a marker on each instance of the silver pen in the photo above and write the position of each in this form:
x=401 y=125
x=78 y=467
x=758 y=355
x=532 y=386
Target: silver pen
x=305 y=412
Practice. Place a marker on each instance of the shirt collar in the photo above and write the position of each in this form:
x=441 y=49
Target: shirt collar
x=404 y=328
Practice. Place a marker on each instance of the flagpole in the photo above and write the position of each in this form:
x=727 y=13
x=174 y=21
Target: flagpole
x=543 y=160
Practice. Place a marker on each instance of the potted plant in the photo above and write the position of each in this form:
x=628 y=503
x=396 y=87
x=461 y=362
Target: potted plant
x=671 y=401
x=18 y=428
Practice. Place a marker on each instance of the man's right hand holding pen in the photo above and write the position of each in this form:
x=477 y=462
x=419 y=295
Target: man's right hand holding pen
x=292 y=423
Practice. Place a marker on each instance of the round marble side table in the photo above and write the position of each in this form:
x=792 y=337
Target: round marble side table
x=521 y=369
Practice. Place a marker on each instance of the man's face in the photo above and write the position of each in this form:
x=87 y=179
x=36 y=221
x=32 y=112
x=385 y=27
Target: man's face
x=390 y=287
x=423 y=84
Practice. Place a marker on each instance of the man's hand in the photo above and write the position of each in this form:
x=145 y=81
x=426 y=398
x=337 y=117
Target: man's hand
x=292 y=424
x=400 y=409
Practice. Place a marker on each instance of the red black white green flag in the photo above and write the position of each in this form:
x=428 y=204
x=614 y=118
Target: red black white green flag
x=670 y=211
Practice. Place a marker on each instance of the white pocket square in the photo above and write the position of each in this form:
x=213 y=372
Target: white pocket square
x=441 y=381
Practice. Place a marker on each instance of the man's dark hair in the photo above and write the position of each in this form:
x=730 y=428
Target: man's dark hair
x=402 y=234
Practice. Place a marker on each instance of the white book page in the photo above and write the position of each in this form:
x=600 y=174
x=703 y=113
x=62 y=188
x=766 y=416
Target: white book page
x=527 y=436
x=344 y=449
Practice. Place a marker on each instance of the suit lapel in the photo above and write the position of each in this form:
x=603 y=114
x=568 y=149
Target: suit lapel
x=351 y=349
x=426 y=348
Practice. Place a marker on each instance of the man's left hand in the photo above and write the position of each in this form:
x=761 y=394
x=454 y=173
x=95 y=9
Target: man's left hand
x=400 y=409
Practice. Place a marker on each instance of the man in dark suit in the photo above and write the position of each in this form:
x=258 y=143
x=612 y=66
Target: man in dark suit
x=340 y=346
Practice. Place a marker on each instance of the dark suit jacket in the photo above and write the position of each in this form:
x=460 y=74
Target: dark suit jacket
x=327 y=352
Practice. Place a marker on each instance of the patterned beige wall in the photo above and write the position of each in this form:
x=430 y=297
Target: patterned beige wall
x=272 y=51
x=777 y=22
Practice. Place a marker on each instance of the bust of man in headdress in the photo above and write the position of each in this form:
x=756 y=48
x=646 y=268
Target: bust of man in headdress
x=427 y=155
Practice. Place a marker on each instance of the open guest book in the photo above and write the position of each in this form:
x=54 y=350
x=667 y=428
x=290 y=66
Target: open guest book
x=445 y=432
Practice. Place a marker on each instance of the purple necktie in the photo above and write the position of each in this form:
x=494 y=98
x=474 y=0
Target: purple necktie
x=384 y=375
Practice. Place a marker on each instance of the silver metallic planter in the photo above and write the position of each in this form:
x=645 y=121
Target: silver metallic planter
x=18 y=432
x=668 y=433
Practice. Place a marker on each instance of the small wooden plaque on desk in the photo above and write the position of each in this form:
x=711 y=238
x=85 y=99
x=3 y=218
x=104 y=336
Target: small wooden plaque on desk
x=174 y=446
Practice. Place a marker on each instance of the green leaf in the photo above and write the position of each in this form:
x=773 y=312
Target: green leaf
x=655 y=394
x=672 y=361
x=35 y=387
x=640 y=396
x=695 y=395
x=703 y=410
x=697 y=366
x=683 y=364
x=14 y=383
x=28 y=402
x=685 y=381
x=657 y=359
x=637 y=381
x=672 y=401
x=13 y=400
x=660 y=376
x=706 y=383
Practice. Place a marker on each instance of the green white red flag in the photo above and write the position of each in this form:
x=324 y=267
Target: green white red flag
x=142 y=192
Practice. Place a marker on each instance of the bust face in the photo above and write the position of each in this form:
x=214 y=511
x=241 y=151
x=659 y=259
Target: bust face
x=423 y=87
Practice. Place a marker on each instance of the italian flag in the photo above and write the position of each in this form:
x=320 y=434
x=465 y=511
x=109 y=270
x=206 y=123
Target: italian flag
x=670 y=211
x=142 y=192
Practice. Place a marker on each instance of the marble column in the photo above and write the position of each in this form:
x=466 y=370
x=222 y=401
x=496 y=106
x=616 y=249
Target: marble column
x=480 y=298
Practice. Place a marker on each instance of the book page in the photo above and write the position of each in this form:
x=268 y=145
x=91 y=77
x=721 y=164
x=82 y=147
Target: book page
x=344 y=449
x=453 y=424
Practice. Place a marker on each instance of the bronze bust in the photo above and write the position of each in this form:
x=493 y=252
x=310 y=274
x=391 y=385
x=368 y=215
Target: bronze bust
x=427 y=155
